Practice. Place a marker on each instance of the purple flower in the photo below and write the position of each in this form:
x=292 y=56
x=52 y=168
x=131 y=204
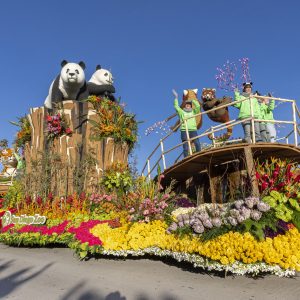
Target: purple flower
x=249 y=202
x=180 y=224
x=238 y=204
x=256 y=215
x=232 y=221
x=184 y=202
x=234 y=212
x=245 y=212
x=198 y=228
x=203 y=216
x=172 y=227
x=207 y=223
x=216 y=222
x=263 y=207
x=240 y=219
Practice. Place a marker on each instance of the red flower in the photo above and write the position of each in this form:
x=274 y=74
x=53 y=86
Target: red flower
x=49 y=118
x=27 y=200
x=7 y=228
x=39 y=200
x=69 y=199
x=68 y=131
x=12 y=210
x=265 y=176
x=280 y=185
x=264 y=185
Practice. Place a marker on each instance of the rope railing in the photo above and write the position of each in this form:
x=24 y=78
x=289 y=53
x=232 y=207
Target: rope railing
x=219 y=127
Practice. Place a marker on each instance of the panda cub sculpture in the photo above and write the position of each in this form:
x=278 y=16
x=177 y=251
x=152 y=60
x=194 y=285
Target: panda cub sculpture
x=70 y=84
x=101 y=84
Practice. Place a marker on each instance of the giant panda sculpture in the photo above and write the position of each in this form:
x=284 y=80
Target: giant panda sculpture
x=70 y=84
x=101 y=84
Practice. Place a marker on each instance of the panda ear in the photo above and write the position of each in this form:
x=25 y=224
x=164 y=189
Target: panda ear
x=203 y=89
x=185 y=92
x=82 y=64
x=214 y=90
x=63 y=63
x=98 y=67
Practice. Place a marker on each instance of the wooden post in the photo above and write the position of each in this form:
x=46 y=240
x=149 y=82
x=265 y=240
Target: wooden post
x=162 y=154
x=188 y=137
x=295 y=123
x=215 y=185
x=251 y=171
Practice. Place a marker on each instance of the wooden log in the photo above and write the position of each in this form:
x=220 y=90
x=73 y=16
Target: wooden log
x=250 y=167
x=108 y=152
x=215 y=184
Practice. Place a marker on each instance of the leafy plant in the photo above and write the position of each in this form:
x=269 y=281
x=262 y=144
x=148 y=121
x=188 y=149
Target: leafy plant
x=117 y=179
x=282 y=205
x=113 y=122
x=278 y=175
x=14 y=195
x=24 y=134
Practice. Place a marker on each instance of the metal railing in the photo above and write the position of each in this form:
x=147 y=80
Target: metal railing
x=214 y=129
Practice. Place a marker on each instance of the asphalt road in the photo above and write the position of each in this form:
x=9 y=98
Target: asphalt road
x=42 y=273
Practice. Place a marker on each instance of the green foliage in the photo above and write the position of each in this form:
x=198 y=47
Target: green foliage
x=14 y=195
x=256 y=228
x=24 y=134
x=181 y=232
x=215 y=232
x=296 y=219
x=280 y=203
x=34 y=239
x=118 y=178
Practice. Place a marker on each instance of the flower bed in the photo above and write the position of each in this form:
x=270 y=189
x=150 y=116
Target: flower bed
x=136 y=217
x=233 y=251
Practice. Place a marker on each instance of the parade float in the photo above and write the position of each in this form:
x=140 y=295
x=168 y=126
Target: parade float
x=232 y=207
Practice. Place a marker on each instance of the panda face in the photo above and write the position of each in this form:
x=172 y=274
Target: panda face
x=102 y=77
x=72 y=73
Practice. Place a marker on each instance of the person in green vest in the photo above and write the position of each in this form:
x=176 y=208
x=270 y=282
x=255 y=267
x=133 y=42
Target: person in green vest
x=267 y=106
x=262 y=125
x=245 y=112
x=184 y=114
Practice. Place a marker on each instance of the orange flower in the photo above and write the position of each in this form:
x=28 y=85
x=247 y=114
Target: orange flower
x=290 y=226
x=128 y=131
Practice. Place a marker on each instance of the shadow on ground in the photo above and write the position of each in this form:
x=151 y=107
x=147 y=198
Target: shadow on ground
x=80 y=292
x=11 y=282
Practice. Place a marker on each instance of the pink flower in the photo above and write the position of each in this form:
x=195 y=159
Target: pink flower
x=146 y=212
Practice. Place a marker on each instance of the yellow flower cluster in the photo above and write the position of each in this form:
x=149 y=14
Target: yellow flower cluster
x=283 y=250
x=181 y=211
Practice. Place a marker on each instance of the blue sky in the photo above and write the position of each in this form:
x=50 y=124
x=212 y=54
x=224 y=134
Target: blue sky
x=150 y=46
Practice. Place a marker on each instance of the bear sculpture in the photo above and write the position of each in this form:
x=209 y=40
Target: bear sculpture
x=70 y=84
x=220 y=115
x=101 y=84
